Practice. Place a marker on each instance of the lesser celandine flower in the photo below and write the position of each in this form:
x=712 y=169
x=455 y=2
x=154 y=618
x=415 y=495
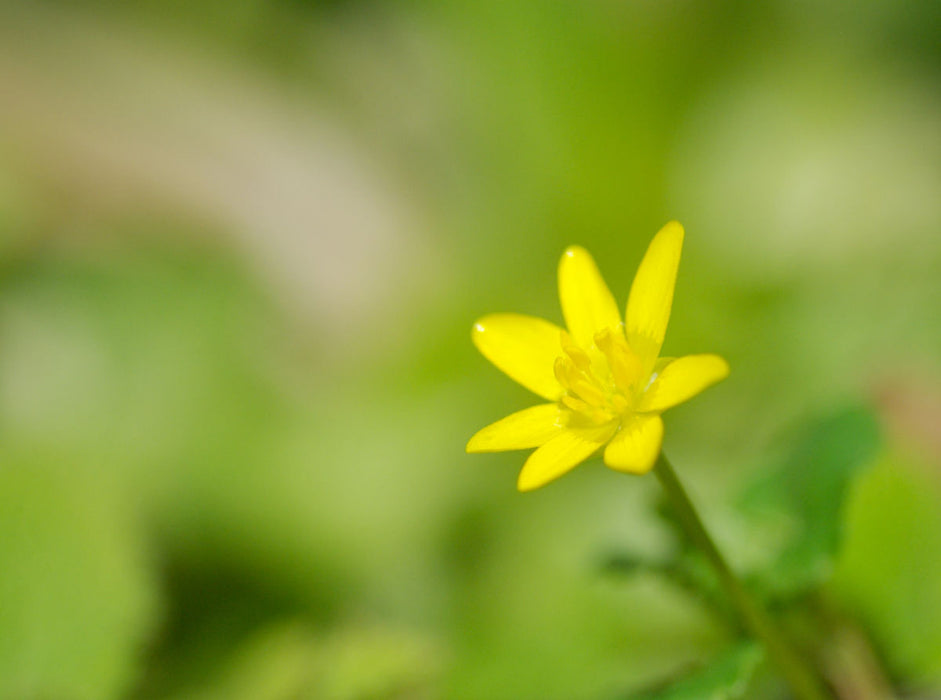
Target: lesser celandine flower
x=604 y=380
x=606 y=386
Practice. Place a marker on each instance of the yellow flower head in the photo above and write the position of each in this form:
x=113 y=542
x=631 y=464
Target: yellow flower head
x=604 y=378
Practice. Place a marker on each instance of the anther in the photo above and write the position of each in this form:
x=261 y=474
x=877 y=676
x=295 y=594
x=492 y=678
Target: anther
x=625 y=366
x=579 y=356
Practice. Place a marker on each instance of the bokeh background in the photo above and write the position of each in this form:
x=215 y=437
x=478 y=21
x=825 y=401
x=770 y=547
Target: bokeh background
x=242 y=245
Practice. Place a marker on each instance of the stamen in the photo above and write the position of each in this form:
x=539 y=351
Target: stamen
x=561 y=376
x=589 y=392
x=576 y=404
x=579 y=356
x=566 y=373
x=619 y=403
x=625 y=366
x=599 y=390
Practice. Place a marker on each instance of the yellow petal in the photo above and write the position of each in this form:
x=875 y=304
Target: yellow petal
x=531 y=427
x=651 y=298
x=636 y=446
x=681 y=379
x=587 y=303
x=523 y=347
x=566 y=450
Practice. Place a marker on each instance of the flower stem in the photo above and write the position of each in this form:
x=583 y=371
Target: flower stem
x=804 y=681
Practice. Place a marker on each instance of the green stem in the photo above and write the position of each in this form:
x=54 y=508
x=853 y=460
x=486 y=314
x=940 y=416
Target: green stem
x=804 y=681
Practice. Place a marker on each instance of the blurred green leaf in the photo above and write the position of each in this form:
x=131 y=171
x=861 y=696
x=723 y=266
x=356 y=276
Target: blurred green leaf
x=727 y=677
x=376 y=663
x=274 y=664
x=288 y=661
x=76 y=594
x=889 y=572
x=536 y=625
x=687 y=570
x=805 y=496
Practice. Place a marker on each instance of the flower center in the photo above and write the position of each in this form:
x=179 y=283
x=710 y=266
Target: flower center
x=600 y=384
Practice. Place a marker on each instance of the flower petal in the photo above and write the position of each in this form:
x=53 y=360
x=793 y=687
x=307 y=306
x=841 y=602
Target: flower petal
x=636 y=446
x=587 y=304
x=524 y=348
x=651 y=298
x=565 y=451
x=681 y=379
x=531 y=427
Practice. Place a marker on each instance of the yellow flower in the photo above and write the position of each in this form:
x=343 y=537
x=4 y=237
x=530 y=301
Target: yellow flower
x=605 y=381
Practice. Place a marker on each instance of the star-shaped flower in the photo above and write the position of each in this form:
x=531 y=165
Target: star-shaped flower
x=603 y=378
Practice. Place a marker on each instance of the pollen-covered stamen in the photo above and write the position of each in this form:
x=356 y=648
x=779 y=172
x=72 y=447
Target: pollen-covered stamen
x=575 y=353
x=578 y=383
x=583 y=393
x=576 y=404
x=600 y=386
x=626 y=367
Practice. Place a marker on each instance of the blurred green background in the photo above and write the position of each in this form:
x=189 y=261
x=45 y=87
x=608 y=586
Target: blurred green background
x=242 y=245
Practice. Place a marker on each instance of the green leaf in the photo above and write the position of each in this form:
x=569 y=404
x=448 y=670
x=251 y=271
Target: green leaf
x=76 y=595
x=288 y=661
x=686 y=570
x=727 y=677
x=804 y=497
x=378 y=662
x=889 y=572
